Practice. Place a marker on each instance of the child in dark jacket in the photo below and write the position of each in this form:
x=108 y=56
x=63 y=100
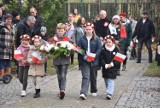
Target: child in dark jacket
x=109 y=66
x=22 y=62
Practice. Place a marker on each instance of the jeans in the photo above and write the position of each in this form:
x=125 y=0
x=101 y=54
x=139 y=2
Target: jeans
x=148 y=45
x=5 y=63
x=23 y=75
x=61 y=74
x=89 y=75
x=109 y=85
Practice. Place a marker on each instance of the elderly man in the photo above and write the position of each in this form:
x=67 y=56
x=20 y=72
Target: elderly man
x=145 y=32
x=101 y=26
x=25 y=27
x=38 y=23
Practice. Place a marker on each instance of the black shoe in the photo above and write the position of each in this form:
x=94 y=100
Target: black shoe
x=37 y=94
x=138 y=61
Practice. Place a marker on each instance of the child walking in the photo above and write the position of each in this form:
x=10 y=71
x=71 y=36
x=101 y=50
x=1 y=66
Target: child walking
x=91 y=44
x=109 y=66
x=61 y=62
x=22 y=62
x=37 y=59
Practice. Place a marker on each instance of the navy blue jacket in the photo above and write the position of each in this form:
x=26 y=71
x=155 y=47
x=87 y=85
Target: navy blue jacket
x=95 y=47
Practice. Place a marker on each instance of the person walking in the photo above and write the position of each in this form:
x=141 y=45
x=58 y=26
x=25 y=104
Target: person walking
x=91 y=44
x=22 y=62
x=109 y=66
x=128 y=38
x=36 y=69
x=101 y=25
x=145 y=32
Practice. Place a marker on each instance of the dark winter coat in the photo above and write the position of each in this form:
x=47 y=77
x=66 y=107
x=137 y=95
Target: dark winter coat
x=95 y=46
x=106 y=57
x=144 y=31
x=22 y=29
x=38 y=24
x=101 y=27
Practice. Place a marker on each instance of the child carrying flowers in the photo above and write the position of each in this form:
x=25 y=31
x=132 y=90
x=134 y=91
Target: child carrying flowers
x=61 y=61
x=37 y=59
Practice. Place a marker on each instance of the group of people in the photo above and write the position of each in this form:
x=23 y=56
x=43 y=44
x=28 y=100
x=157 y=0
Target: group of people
x=103 y=38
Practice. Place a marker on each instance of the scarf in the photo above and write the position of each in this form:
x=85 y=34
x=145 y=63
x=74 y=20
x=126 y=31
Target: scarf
x=110 y=48
x=112 y=28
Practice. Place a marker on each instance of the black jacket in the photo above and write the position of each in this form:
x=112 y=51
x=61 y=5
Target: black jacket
x=144 y=31
x=38 y=25
x=22 y=29
x=101 y=27
x=106 y=57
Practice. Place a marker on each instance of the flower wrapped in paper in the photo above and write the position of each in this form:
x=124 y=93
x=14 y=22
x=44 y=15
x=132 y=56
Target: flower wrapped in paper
x=46 y=46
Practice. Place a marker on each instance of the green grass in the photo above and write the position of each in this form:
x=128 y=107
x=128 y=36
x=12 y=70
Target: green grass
x=153 y=70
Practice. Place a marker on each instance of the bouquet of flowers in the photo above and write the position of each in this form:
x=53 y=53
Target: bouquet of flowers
x=46 y=47
x=62 y=48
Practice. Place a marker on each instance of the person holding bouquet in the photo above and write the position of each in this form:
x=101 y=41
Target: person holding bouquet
x=89 y=61
x=36 y=59
x=20 y=55
x=62 y=61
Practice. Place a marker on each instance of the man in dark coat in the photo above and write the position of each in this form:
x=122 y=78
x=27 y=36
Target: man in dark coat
x=38 y=23
x=101 y=26
x=145 y=32
x=25 y=27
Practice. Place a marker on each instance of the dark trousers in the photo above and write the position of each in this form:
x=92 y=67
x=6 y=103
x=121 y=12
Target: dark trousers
x=72 y=58
x=23 y=75
x=61 y=74
x=93 y=79
x=148 y=45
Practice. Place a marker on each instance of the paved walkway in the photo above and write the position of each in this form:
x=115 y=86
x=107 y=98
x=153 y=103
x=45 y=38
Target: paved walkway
x=133 y=90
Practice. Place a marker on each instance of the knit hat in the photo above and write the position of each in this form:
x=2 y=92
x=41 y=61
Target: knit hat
x=25 y=36
x=8 y=15
x=123 y=14
x=15 y=13
x=116 y=17
x=43 y=29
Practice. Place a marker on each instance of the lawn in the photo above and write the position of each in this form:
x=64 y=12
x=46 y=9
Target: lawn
x=153 y=70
